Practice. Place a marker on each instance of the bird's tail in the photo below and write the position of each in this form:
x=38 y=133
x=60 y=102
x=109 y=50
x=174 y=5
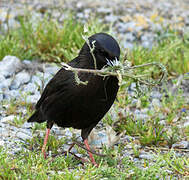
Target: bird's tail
x=36 y=117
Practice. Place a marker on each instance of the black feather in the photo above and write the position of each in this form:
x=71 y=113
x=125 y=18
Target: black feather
x=68 y=104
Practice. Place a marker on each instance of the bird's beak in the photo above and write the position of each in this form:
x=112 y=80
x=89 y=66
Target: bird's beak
x=113 y=62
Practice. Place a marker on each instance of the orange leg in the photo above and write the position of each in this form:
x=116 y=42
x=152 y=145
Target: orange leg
x=45 y=142
x=90 y=154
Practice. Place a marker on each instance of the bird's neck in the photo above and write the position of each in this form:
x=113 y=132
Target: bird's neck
x=86 y=60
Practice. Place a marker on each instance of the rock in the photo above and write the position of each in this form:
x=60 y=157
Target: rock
x=147 y=44
x=47 y=78
x=140 y=116
x=146 y=156
x=132 y=87
x=27 y=62
x=111 y=18
x=5 y=83
x=9 y=66
x=22 y=136
x=1 y=97
x=181 y=145
x=20 y=79
x=162 y=122
x=68 y=133
x=51 y=70
x=104 y=10
x=128 y=45
x=156 y=103
x=14 y=94
x=8 y=118
x=126 y=27
x=80 y=15
x=3 y=15
x=186 y=124
x=2 y=143
x=79 y=5
x=37 y=80
x=130 y=37
x=27 y=125
x=156 y=94
x=30 y=88
x=32 y=98
x=2 y=79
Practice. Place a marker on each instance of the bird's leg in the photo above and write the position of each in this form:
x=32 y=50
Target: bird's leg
x=90 y=154
x=49 y=126
x=45 y=142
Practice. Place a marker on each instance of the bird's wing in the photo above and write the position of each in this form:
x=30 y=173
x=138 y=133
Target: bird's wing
x=63 y=84
x=57 y=84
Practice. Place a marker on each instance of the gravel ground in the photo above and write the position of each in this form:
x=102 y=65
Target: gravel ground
x=133 y=22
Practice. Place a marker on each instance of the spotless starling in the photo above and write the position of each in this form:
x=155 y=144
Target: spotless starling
x=68 y=104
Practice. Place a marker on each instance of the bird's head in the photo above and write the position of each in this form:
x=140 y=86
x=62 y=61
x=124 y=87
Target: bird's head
x=106 y=49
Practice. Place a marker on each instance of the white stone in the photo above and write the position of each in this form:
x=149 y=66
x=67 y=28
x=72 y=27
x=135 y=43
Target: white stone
x=9 y=65
x=146 y=156
x=20 y=78
x=14 y=94
x=8 y=118
x=4 y=83
x=156 y=103
x=32 y=98
x=181 y=145
x=30 y=87
x=51 y=69
x=2 y=143
x=186 y=124
x=22 y=135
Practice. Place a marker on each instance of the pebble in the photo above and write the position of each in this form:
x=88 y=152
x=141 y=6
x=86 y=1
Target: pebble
x=32 y=98
x=14 y=94
x=140 y=116
x=126 y=27
x=2 y=79
x=111 y=18
x=2 y=143
x=155 y=94
x=128 y=45
x=130 y=37
x=20 y=79
x=186 y=124
x=1 y=97
x=27 y=125
x=9 y=65
x=36 y=80
x=5 y=83
x=7 y=119
x=30 y=88
x=51 y=70
x=156 y=103
x=181 y=145
x=104 y=10
x=23 y=135
x=147 y=156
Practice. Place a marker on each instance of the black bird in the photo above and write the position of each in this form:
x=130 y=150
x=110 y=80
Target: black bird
x=68 y=104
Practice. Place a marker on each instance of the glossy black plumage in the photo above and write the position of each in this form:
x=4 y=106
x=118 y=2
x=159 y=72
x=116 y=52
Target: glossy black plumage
x=68 y=104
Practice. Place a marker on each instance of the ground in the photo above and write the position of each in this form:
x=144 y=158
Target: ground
x=145 y=135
